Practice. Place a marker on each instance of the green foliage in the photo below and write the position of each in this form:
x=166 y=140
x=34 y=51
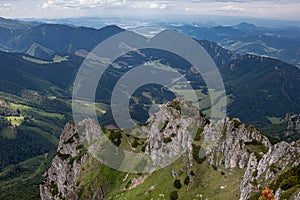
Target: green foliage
x=288 y=193
x=276 y=133
x=288 y=179
x=187 y=180
x=177 y=184
x=63 y=156
x=128 y=184
x=258 y=156
x=198 y=135
x=273 y=168
x=167 y=140
x=255 y=196
x=174 y=195
x=254 y=142
x=21 y=181
x=115 y=137
x=215 y=167
x=135 y=144
x=175 y=104
x=255 y=173
x=257 y=148
x=196 y=152
x=237 y=123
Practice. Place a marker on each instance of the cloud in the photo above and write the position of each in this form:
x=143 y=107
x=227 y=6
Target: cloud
x=231 y=8
x=89 y=4
x=275 y=9
x=148 y=5
x=81 y=4
x=7 y=7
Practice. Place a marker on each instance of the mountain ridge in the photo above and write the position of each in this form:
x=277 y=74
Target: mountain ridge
x=237 y=149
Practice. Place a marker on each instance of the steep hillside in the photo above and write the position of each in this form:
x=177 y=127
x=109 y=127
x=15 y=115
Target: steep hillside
x=61 y=38
x=287 y=129
x=267 y=86
x=10 y=29
x=227 y=160
x=20 y=72
x=282 y=43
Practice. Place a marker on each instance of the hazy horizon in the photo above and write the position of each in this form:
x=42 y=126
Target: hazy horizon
x=37 y=9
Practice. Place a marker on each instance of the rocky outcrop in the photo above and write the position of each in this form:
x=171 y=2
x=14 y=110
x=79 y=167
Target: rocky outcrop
x=228 y=144
x=293 y=124
x=60 y=179
x=171 y=132
x=260 y=174
x=231 y=143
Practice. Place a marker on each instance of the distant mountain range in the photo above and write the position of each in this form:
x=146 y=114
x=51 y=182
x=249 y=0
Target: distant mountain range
x=269 y=87
x=281 y=43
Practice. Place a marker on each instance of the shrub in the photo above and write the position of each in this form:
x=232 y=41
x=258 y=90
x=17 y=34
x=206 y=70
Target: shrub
x=174 y=195
x=236 y=123
x=287 y=194
x=135 y=144
x=177 y=184
x=115 y=137
x=187 y=180
x=196 y=150
x=167 y=140
x=175 y=104
x=215 y=167
x=198 y=135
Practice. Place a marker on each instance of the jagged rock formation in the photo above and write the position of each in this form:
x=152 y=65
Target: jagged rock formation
x=171 y=132
x=263 y=172
x=293 y=124
x=231 y=143
x=60 y=179
x=227 y=145
x=239 y=145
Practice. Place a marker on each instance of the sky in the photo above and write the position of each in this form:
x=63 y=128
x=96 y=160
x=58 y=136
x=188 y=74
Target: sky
x=264 y=9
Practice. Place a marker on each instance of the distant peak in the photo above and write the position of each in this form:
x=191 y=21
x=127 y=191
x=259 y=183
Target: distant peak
x=112 y=27
x=245 y=25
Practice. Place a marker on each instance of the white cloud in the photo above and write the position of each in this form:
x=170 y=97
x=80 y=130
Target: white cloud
x=157 y=6
x=81 y=4
x=139 y=4
x=276 y=9
x=231 y=8
x=7 y=7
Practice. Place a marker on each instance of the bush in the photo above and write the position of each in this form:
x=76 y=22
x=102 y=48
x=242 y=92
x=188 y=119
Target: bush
x=236 y=123
x=175 y=104
x=215 y=167
x=196 y=150
x=187 y=180
x=115 y=137
x=177 y=184
x=167 y=140
x=174 y=195
x=287 y=194
x=198 y=135
x=135 y=144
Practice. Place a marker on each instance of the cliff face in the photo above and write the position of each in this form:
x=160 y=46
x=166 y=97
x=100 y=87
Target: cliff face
x=263 y=172
x=237 y=145
x=60 y=179
x=228 y=146
x=170 y=134
x=234 y=143
x=293 y=124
